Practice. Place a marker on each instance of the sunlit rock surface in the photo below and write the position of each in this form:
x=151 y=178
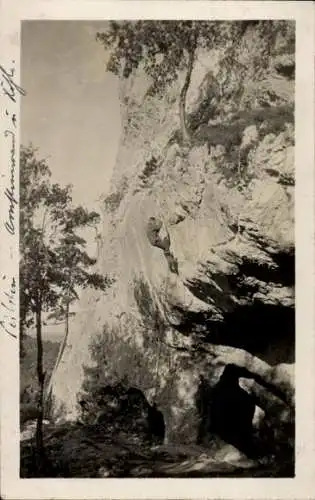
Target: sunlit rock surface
x=228 y=209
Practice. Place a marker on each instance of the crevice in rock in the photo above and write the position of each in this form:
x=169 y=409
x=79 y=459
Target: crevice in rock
x=266 y=331
x=227 y=410
x=283 y=272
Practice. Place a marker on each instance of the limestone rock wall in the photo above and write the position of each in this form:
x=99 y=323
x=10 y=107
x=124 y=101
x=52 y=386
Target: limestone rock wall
x=227 y=204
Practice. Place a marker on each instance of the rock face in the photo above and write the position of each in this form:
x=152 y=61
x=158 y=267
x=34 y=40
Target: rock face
x=221 y=292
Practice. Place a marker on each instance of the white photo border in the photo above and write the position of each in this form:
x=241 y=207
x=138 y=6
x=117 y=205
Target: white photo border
x=12 y=12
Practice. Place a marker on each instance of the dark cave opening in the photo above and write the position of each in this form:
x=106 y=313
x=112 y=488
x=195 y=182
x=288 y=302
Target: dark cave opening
x=227 y=411
x=135 y=405
x=266 y=331
x=283 y=273
x=128 y=410
x=156 y=424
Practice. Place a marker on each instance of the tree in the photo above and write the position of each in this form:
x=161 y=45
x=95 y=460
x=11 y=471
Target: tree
x=53 y=260
x=34 y=177
x=165 y=49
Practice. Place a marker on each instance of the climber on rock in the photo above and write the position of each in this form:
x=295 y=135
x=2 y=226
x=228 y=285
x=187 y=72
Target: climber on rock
x=159 y=237
x=155 y=230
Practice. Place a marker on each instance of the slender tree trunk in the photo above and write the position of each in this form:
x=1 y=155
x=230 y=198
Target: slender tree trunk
x=47 y=394
x=67 y=319
x=40 y=454
x=183 y=95
x=22 y=352
x=23 y=309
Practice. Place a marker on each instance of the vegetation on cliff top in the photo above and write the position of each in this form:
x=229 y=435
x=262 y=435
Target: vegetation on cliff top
x=165 y=49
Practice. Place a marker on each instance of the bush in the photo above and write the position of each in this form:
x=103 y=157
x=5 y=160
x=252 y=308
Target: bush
x=230 y=134
x=269 y=120
x=113 y=200
x=150 y=168
x=117 y=362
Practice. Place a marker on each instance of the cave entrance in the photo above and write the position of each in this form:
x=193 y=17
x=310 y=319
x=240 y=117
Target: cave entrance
x=226 y=411
x=156 y=424
x=129 y=410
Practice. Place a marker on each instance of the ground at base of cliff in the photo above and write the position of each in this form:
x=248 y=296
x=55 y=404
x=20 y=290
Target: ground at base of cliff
x=73 y=451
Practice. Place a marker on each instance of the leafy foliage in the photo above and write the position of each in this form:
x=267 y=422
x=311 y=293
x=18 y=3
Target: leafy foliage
x=53 y=262
x=167 y=49
x=229 y=136
x=112 y=363
x=163 y=49
x=151 y=166
x=162 y=46
x=113 y=200
x=243 y=71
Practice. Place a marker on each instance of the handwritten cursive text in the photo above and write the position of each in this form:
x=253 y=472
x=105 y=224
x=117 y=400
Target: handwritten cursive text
x=8 y=320
x=10 y=191
x=9 y=87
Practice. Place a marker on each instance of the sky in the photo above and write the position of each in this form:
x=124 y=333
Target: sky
x=71 y=110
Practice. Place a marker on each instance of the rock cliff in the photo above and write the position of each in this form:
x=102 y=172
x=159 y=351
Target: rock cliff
x=214 y=285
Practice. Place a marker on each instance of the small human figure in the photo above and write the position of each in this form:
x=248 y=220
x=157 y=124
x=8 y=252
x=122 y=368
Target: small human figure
x=154 y=228
x=159 y=237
